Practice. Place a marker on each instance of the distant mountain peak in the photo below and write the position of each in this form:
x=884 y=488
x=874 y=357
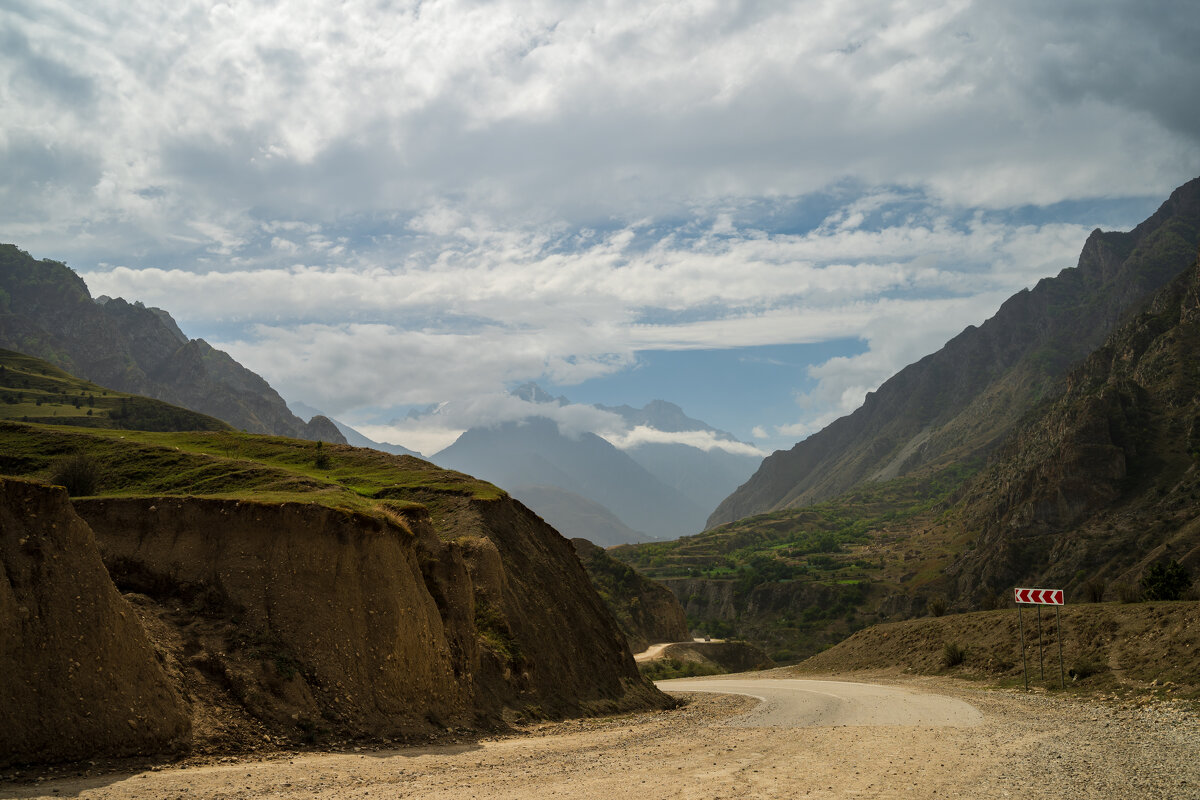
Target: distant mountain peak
x=532 y=393
x=665 y=416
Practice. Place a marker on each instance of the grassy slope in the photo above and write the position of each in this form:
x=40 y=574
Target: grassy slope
x=33 y=390
x=1106 y=647
x=228 y=464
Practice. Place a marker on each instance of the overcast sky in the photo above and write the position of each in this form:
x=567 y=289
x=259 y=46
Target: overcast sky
x=756 y=210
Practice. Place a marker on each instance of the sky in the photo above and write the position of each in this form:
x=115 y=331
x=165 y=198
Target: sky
x=398 y=211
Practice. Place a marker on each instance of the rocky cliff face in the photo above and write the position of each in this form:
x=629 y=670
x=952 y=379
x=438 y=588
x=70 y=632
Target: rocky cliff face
x=645 y=610
x=1102 y=478
x=959 y=402
x=78 y=677
x=46 y=311
x=308 y=621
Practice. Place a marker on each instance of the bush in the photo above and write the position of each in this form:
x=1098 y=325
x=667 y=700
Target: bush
x=1126 y=593
x=1166 y=580
x=953 y=654
x=1085 y=666
x=937 y=605
x=79 y=473
x=1093 y=590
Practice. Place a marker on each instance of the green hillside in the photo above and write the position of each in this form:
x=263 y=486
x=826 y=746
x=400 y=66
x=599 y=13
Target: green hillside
x=33 y=390
x=228 y=464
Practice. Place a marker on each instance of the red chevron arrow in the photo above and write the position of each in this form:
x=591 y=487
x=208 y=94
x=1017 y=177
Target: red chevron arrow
x=1044 y=597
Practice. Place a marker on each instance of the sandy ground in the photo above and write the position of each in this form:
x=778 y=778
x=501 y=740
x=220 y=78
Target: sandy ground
x=808 y=738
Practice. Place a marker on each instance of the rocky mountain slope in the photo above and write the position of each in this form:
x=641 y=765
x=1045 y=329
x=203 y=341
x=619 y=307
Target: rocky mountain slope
x=534 y=452
x=571 y=514
x=46 y=311
x=1099 y=481
x=646 y=611
x=1104 y=478
x=656 y=485
x=956 y=404
x=305 y=593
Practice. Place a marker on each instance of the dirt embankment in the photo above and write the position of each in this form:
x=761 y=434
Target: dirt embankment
x=78 y=677
x=296 y=622
x=645 y=610
x=1105 y=644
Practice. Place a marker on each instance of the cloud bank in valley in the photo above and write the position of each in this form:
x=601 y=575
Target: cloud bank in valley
x=387 y=204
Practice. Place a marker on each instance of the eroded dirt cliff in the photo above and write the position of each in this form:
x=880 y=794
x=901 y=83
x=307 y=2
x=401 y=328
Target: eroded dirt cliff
x=302 y=622
x=78 y=677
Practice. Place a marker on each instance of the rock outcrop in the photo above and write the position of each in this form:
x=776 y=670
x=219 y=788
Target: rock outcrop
x=78 y=677
x=959 y=402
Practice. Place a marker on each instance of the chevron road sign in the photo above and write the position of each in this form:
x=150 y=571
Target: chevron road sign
x=1041 y=597
x=1045 y=597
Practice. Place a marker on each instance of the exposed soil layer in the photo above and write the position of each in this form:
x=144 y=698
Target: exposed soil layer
x=78 y=677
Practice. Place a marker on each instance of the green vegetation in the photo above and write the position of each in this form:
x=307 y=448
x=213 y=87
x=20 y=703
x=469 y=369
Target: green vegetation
x=232 y=465
x=1166 y=580
x=803 y=579
x=32 y=390
x=661 y=669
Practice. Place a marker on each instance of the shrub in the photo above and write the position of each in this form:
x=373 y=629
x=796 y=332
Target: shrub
x=1085 y=666
x=937 y=605
x=1093 y=590
x=1127 y=593
x=322 y=458
x=1166 y=580
x=79 y=473
x=953 y=654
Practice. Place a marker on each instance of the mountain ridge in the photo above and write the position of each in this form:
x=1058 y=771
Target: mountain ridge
x=957 y=403
x=46 y=311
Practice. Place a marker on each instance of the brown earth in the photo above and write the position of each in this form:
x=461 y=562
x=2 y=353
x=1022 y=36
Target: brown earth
x=78 y=677
x=725 y=656
x=1137 y=646
x=1023 y=744
x=295 y=622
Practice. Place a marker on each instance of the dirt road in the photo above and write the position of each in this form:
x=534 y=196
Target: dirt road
x=805 y=739
x=792 y=703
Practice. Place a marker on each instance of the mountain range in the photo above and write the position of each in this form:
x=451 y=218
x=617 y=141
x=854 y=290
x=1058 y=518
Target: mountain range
x=977 y=469
x=46 y=311
x=954 y=406
x=587 y=487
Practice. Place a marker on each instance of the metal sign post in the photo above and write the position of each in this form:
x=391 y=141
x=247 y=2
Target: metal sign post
x=1041 y=597
x=1021 y=622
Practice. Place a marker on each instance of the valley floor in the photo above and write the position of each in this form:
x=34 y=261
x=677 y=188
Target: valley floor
x=801 y=739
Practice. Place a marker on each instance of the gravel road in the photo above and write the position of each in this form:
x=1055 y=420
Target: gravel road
x=976 y=744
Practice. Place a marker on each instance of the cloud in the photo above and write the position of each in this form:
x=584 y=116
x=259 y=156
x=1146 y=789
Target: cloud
x=701 y=440
x=404 y=202
x=537 y=112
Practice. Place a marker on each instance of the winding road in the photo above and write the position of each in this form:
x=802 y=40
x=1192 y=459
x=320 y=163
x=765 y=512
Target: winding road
x=798 y=703
x=744 y=737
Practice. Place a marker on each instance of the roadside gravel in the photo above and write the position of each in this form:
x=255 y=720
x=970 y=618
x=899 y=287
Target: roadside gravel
x=1027 y=745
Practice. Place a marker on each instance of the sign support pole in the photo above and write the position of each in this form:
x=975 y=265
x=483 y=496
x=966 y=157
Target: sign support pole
x=1041 y=657
x=1062 y=676
x=1021 y=622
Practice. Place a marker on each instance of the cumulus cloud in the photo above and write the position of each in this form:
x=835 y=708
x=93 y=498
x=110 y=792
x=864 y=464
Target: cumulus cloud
x=418 y=201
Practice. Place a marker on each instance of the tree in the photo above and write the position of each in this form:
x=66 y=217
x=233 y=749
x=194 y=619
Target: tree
x=1166 y=580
